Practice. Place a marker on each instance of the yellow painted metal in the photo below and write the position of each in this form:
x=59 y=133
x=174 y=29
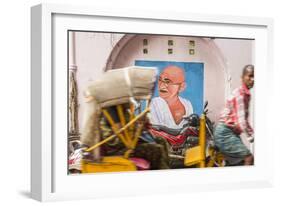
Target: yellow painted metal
x=211 y=163
x=132 y=115
x=212 y=153
x=202 y=140
x=197 y=155
x=116 y=163
x=122 y=118
x=139 y=129
x=108 y=164
x=220 y=159
x=193 y=156
x=120 y=130
x=216 y=158
x=114 y=127
x=127 y=153
x=101 y=143
x=137 y=135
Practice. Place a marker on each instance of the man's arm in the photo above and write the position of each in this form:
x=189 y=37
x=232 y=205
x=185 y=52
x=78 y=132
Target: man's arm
x=241 y=115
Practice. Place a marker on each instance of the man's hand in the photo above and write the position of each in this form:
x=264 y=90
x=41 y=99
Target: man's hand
x=251 y=139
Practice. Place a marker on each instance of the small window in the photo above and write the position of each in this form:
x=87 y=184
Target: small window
x=170 y=51
x=191 y=51
x=145 y=51
x=192 y=43
x=145 y=42
x=170 y=42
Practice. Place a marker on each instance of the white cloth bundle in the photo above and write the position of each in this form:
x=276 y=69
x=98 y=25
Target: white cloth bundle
x=118 y=85
x=115 y=87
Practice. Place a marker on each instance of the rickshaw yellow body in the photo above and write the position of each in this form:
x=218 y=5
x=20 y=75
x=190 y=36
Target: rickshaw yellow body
x=108 y=164
x=117 y=163
x=197 y=155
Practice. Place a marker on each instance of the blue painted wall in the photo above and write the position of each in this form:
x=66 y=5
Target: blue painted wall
x=194 y=76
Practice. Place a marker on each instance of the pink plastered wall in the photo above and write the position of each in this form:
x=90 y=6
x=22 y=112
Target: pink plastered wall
x=223 y=60
x=92 y=51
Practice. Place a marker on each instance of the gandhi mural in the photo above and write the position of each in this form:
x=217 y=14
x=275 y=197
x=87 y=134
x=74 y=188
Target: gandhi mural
x=169 y=109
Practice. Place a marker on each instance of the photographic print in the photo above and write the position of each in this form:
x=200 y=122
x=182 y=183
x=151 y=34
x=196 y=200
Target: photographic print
x=126 y=98
x=141 y=102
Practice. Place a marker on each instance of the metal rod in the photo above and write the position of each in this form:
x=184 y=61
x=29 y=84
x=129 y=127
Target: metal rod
x=202 y=140
x=123 y=122
x=114 y=127
x=119 y=131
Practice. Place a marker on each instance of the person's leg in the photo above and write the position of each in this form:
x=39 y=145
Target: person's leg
x=249 y=160
x=231 y=144
x=221 y=135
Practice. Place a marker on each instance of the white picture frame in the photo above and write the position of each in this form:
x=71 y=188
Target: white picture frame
x=49 y=178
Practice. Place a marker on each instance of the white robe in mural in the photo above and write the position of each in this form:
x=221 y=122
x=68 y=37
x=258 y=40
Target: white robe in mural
x=160 y=113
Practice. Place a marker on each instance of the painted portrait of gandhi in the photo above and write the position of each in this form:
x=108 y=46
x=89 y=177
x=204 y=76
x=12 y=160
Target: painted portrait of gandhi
x=169 y=109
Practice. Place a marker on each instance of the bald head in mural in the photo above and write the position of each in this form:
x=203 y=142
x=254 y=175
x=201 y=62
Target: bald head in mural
x=169 y=109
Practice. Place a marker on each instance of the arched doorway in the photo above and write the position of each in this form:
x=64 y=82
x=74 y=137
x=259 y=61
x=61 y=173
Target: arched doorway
x=217 y=81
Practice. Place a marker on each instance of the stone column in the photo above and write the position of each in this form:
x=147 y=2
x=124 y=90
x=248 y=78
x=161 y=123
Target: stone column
x=73 y=93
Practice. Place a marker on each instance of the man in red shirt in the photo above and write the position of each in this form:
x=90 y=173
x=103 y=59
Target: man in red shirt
x=234 y=120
